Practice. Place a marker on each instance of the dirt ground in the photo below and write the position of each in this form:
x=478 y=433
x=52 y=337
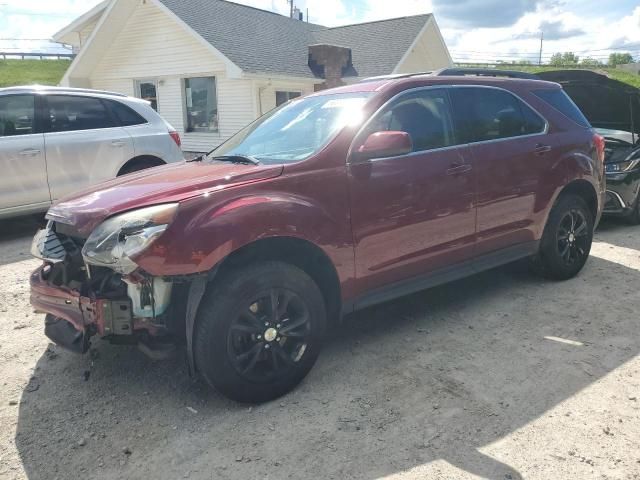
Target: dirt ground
x=500 y=376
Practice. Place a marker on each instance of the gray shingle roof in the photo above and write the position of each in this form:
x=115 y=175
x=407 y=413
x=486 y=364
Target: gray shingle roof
x=259 y=41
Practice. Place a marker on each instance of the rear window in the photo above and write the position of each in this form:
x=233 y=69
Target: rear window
x=486 y=114
x=559 y=100
x=126 y=116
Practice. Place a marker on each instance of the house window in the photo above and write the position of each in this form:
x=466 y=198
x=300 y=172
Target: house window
x=201 y=104
x=284 y=97
x=148 y=90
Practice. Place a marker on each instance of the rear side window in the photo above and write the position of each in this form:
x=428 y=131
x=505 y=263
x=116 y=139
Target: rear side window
x=16 y=115
x=559 y=100
x=68 y=113
x=485 y=114
x=125 y=115
x=425 y=115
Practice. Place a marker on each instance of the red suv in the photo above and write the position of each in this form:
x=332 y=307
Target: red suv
x=327 y=204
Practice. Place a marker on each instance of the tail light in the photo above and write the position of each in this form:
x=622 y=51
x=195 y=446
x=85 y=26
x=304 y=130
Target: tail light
x=598 y=141
x=176 y=137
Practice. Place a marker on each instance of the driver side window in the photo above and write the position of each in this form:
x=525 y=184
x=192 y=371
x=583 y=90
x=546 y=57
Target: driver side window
x=425 y=115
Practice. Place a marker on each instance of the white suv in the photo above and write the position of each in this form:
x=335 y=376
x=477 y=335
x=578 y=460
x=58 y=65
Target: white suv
x=55 y=141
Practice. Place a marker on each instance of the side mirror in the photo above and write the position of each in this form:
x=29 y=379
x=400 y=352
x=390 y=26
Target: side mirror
x=385 y=144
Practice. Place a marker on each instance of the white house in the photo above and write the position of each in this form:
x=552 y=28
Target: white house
x=212 y=66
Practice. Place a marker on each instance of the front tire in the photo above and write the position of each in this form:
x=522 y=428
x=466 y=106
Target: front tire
x=567 y=239
x=259 y=331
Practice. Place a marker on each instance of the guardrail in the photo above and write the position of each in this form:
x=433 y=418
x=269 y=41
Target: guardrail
x=36 y=55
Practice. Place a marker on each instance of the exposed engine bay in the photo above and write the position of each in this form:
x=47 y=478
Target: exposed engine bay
x=123 y=307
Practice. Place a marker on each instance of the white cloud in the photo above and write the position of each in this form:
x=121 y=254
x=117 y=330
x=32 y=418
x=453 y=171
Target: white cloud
x=507 y=42
x=37 y=19
x=484 y=44
x=341 y=12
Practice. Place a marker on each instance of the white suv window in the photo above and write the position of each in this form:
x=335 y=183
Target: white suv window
x=69 y=113
x=17 y=113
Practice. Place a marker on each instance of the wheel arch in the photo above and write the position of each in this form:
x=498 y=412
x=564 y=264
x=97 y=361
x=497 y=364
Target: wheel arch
x=152 y=160
x=303 y=254
x=586 y=191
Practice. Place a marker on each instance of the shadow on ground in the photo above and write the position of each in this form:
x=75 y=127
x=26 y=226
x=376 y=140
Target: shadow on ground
x=437 y=375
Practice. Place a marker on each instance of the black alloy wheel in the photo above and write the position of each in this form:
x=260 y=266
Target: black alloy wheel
x=259 y=330
x=573 y=238
x=566 y=241
x=269 y=337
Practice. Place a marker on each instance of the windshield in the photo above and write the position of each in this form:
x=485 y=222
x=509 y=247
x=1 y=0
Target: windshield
x=296 y=130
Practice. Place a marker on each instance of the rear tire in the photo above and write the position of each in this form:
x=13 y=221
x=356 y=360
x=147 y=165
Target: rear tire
x=566 y=241
x=634 y=217
x=259 y=331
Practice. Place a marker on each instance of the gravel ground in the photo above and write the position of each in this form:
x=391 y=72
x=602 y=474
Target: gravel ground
x=499 y=376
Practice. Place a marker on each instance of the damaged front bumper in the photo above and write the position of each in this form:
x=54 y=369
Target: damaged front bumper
x=87 y=315
x=82 y=300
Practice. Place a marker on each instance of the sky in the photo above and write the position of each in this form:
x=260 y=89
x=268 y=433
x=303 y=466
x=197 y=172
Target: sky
x=474 y=30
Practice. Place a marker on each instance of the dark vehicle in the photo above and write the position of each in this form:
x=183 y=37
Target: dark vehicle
x=613 y=109
x=328 y=204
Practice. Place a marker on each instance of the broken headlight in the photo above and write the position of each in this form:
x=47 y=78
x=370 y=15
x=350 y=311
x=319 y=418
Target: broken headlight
x=117 y=239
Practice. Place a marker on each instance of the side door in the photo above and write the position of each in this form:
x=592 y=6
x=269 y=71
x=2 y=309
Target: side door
x=23 y=183
x=412 y=214
x=84 y=143
x=510 y=154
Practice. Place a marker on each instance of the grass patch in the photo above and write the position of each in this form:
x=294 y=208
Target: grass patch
x=620 y=75
x=29 y=72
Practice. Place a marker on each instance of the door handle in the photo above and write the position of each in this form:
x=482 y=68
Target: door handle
x=542 y=149
x=30 y=152
x=117 y=143
x=458 y=169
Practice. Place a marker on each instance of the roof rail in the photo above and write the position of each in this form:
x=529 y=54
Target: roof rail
x=394 y=76
x=35 y=88
x=457 y=72
x=485 y=72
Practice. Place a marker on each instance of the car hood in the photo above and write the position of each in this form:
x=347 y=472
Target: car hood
x=607 y=103
x=176 y=182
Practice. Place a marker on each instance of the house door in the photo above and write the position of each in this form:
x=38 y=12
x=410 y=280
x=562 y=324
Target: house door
x=148 y=90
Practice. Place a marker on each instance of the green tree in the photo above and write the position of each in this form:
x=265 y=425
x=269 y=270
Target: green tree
x=620 y=59
x=590 y=62
x=564 y=59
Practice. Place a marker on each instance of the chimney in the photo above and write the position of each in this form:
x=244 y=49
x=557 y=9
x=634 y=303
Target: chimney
x=330 y=62
x=297 y=14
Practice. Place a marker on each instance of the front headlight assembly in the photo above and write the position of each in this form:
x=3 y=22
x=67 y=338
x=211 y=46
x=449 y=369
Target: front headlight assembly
x=630 y=163
x=117 y=239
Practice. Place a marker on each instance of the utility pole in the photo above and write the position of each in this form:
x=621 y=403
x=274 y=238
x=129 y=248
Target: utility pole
x=541 y=39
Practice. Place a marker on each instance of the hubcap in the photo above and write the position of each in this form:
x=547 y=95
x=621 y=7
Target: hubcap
x=269 y=336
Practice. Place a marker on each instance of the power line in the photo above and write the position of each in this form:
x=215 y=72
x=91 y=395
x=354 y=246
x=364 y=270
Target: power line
x=631 y=45
x=27 y=39
x=39 y=14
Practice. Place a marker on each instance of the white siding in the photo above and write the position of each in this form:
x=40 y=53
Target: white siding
x=153 y=46
x=121 y=85
x=86 y=31
x=268 y=92
x=429 y=53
